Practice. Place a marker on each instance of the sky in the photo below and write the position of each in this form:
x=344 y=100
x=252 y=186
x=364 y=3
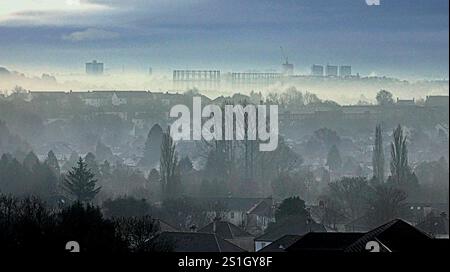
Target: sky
x=401 y=38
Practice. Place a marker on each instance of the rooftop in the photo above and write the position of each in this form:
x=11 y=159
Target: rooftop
x=195 y=242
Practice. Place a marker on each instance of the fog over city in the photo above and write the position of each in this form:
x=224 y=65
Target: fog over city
x=358 y=126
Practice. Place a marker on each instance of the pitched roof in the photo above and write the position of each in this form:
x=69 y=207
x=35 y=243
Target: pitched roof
x=291 y=226
x=396 y=235
x=325 y=241
x=327 y=216
x=281 y=244
x=234 y=203
x=195 y=242
x=164 y=226
x=263 y=208
x=225 y=230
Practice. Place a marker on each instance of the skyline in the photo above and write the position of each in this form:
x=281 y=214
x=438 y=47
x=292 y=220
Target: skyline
x=398 y=38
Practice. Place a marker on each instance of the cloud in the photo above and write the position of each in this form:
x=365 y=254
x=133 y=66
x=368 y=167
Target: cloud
x=91 y=34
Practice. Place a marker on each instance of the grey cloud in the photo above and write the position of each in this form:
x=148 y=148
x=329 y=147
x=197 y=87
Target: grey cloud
x=91 y=34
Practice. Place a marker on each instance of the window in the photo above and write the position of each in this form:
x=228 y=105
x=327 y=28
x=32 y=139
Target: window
x=232 y=215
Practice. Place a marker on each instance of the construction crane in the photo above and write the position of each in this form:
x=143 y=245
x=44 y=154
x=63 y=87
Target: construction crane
x=283 y=55
x=287 y=68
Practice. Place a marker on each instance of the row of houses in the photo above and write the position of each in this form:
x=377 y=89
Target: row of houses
x=242 y=224
x=432 y=104
x=221 y=236
x=136 y=106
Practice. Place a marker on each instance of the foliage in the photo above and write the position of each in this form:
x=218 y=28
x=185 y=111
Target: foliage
x=352 y=194
x=80 y=182
x=384 y=98
x=378 y=156
x=126 y=207
x=291 y=207
x=334 y=161
x=169 y=169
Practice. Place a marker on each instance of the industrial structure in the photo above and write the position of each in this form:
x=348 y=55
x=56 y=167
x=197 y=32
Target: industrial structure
x=317 y=70
x=331 y=71
x=204 y=79
x=94 y=68
x=345 y=70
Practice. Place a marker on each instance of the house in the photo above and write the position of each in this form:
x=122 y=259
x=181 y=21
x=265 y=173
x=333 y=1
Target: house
x=192 y=242
x=260 y=215
x=437 y=101
x=330 y=218
x=291 y=226
x=281 y=244
x=406 y=102
x=230 y=233
x=234 y=209
x=324 y=242
x=435 y=225
x=164 y=226
x=394 y=236
x=96 y=98
x=416 y=212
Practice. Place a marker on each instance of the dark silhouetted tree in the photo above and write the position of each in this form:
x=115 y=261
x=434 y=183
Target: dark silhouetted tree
x=401 y=174
x=386 y=204
x=378 y=156
x=91 y=162
x=30 y=161
x=351 y=193
x=291 y=207
x=81 y=183
x=85 y=224
x=152 y=147
x=169 y=168
x=71 y=162
x=52 y=163
x=384 y=98
x=126 y=207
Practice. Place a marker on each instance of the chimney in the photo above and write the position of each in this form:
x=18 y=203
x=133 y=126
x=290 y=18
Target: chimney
x=193 y=228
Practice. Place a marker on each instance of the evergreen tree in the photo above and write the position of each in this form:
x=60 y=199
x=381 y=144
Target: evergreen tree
x=399 y=158
x=334 y=160
x=71 y=162
x=81 y=183
x=169 y=167
x=44 y=181
x=152 y=148
x=30 y=161
x=92 y=164
x=105 y=169
x=378 y=156
x=52 y=163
